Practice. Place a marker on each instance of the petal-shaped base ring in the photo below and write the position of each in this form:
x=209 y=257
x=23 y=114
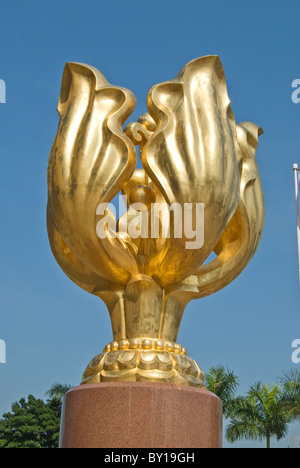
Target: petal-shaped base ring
x=144 y=360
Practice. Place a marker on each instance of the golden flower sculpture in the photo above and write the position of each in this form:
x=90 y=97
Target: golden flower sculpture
x=199 y=169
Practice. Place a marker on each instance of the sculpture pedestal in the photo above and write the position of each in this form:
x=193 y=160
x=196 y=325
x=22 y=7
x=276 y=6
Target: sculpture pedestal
x=140 y=415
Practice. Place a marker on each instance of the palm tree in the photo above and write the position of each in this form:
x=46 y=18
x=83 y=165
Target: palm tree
x=223 y=383
x=290 y=382
x=58 y=390
x=259 y=415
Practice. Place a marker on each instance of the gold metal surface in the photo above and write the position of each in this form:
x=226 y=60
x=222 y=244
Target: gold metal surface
x=192 y=152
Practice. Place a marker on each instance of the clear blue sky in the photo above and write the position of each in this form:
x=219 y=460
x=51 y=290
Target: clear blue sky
x=51 y=327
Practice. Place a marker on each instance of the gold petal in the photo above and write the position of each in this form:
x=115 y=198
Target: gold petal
x=89 y=163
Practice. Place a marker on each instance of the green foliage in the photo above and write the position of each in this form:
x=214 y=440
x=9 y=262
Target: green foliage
x=264 y=412
x=261 y=414
x=58 y=390
x=290 y=382
x=223 y=383
x=31 y=424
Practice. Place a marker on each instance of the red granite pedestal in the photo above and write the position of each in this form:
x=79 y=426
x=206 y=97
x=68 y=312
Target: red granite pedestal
x=140 y=415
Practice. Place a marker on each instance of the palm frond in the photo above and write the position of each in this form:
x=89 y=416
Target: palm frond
x=237 y=430
x=58 y=390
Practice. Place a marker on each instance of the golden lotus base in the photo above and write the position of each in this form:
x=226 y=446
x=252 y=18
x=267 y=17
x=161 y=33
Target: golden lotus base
x=144 y=360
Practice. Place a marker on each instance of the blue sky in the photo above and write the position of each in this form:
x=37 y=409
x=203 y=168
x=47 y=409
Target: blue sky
x=51 y=327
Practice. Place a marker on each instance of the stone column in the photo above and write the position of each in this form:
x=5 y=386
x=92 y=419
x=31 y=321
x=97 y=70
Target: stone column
x=140 y=415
